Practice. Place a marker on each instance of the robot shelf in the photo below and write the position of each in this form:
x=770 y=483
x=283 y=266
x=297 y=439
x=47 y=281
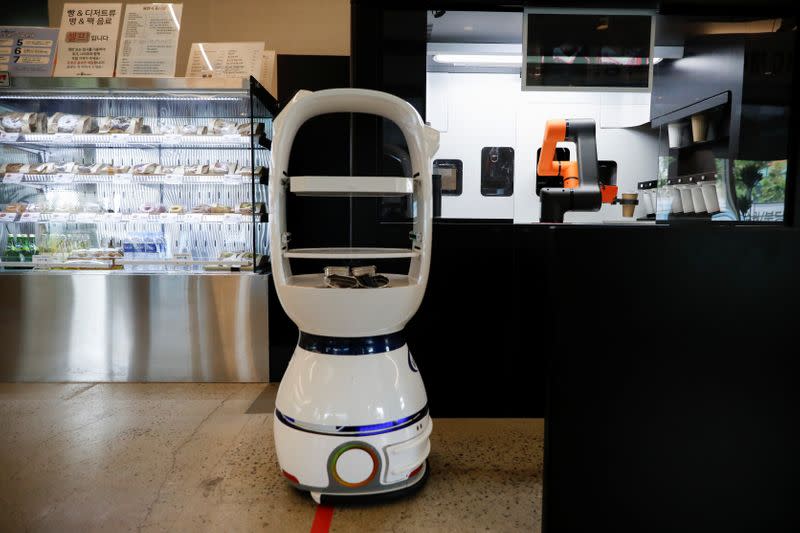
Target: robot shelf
x=351 y=312
x=350 y=253
x=350 y=186
x=317 y=281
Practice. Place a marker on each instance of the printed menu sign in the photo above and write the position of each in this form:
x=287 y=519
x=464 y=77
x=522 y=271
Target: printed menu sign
x=27 y=50
x=268 y=77
x=87 y=43
x=149 y=41
x=224 y=60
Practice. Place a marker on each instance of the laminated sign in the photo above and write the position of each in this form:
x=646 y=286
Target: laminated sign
x=149 y=41
x=225 y=60
x=27 y=51
x=87 y=43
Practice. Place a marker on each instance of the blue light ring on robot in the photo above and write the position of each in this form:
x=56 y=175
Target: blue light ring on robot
x=354 y=431
x=351 y=345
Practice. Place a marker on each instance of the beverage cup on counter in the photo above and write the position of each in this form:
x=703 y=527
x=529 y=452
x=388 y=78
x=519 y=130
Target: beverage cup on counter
x=710 y=196
x=629 y=208
x=697 y=199
x=646 y=201
x=674 y=134
x=686 y=198
x=699 y=127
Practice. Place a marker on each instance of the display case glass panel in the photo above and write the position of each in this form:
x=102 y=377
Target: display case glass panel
x=138 y=175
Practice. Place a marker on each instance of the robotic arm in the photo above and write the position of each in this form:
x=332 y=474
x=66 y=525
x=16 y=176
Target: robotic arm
x=581 y=189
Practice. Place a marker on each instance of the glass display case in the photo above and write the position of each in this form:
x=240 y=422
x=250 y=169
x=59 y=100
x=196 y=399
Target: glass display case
x=134 y=229
x=145 y=175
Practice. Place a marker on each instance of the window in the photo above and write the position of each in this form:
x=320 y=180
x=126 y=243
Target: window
x=452 y=173
x=497 y=171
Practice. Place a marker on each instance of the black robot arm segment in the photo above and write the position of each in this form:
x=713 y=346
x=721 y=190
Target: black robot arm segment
x=586 y=196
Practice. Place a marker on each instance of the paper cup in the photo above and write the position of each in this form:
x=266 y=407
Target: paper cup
x=674 y=134
x=699 y=127
x=628 y=209
x=710 y=196
x=697 y=199
x=677 y=202
x=646 y=201
x=686 y=198
x=654 y=197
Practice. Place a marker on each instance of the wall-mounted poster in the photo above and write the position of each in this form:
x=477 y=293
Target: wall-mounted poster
x=87 y=43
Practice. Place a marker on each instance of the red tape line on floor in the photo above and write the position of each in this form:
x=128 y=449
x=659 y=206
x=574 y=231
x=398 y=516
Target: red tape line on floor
x=322 y=519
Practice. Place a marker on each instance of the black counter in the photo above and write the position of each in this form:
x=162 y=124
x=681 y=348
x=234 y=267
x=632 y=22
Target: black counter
x=662 y=358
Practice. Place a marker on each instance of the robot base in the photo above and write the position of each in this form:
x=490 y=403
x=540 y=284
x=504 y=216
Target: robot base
x=376 y=497
x=352 y=428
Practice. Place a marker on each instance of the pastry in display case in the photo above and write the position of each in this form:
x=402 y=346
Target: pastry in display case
x=142 y=175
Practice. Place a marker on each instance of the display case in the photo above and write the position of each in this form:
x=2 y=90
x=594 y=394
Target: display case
x=141 y=175
x=134 y=229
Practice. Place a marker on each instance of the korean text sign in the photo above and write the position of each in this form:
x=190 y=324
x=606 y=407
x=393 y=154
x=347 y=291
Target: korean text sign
x=87 y=43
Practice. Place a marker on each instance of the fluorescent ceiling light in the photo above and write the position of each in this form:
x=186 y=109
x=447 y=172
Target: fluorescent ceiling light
x=478 y=59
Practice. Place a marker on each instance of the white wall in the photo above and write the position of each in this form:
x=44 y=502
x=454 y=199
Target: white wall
x=477 y=110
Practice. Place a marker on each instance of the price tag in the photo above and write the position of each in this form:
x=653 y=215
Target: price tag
x=13 y=177
x=233 y=138
x=7 y=136
x=173 y=179
x=140 y=216
x=193 y=217
x=232 y=179
x=122 y=179
x=113 y=217
x=62 y=138
x=86 y=217
x=59 y=217
x=171 y=138
x=63 y=177
x=8 y=217
x=168 y=217
x=42 y=259
x=30 y=217
x=232 y=218
x=120 y=137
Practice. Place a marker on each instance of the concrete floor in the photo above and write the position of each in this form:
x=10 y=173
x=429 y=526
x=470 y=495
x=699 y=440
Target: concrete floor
x=199 y=457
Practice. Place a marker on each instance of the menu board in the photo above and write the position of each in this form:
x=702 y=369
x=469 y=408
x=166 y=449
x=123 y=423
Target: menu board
x=149 y=41
x=268 y=77
x=87 y=43
x=27 y=50
x=225 y=60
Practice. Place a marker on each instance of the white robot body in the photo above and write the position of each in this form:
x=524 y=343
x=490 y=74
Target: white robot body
x=351 y=415
x=354 y=422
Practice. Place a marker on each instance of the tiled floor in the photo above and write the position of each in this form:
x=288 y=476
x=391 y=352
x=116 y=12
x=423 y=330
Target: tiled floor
x=200 y=457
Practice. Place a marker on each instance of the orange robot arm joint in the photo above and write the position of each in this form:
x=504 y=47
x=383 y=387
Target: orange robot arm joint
x=555 y=131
